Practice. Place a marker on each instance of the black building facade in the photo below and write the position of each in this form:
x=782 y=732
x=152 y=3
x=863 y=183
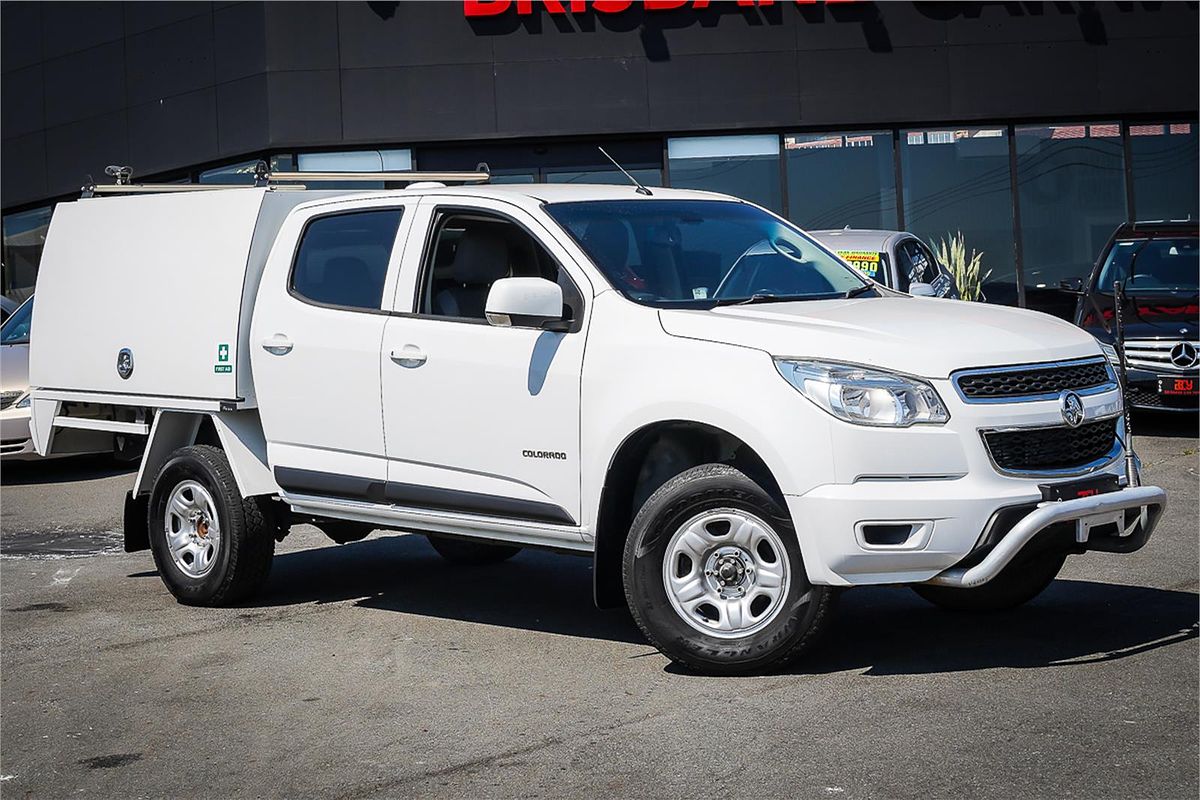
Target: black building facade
x=1028 y=130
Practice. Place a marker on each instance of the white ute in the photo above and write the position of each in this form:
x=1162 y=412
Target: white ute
x=732 y=421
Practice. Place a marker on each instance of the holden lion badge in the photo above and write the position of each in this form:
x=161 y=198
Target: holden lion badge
x=1071 y=407
x=125 y=363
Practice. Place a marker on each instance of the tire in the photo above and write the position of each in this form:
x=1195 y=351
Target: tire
x=344 y=531
x=718 y=634
x=233 y=569
x=461 y=551
x=1019 y=583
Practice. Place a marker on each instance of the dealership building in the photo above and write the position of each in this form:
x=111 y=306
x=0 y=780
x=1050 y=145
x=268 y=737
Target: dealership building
x=1031 y=130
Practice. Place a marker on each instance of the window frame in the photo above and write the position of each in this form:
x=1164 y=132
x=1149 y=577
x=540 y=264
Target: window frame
x=291 y=279
x=572 y=296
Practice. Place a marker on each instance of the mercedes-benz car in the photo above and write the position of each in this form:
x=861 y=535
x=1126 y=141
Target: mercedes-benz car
x=1158 y=264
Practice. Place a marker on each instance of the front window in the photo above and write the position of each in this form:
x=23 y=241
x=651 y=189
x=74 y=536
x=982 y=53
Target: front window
x=16 y=327
x=701 y=253
x=1152 y=265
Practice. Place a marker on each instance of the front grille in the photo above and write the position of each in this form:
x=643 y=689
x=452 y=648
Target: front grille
x=1154 y=355
x=1030 y=450
x=1031 y=381
x=8 y=398
x=1144 y=398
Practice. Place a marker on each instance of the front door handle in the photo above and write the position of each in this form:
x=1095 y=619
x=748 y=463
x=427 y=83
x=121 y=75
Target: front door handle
x=278 y=345
x=409 y=356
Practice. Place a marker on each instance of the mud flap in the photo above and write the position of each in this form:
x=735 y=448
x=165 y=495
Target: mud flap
x=137 y=526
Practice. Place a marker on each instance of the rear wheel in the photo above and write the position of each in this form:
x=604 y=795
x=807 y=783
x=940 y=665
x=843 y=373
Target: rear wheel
x=714 y=575
x=461 y=551
x=1020 y=582
x=211 y=546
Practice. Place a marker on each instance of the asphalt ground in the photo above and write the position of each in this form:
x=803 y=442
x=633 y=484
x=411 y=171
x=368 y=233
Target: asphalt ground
x=376 y=670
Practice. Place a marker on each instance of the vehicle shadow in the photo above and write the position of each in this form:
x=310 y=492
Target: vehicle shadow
x=62 y=470
x=884 y=631
x=535 y=590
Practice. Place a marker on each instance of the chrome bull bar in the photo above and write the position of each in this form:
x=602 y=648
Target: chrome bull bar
x=1086 y=512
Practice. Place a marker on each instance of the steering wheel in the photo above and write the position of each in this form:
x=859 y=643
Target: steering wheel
x=777 y=245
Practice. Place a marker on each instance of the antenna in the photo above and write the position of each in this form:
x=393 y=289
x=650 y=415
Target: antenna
x=640 y=189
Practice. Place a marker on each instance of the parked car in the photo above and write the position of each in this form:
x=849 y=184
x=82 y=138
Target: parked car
x=894 y=258
x=751 y=426
x=15 y=439
x=16 y=436
x=7 y=307
x=1159 y=265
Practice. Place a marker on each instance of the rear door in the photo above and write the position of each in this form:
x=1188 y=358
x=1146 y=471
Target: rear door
x=481 y=420
x=318 y=324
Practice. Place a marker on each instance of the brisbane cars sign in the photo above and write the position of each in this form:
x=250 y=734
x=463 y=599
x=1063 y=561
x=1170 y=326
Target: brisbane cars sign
x=492 y=8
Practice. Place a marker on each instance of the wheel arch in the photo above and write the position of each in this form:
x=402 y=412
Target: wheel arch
x=238 y=433
x=645 y=460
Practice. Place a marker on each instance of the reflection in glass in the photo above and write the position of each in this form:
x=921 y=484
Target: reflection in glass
x=354 y=161
x=646 y=177
x=242 y=173
x=743 y=166
x=1071 y=186
x=1165 y=171
x=24 y=238
x=837 y=180
x=957 y=181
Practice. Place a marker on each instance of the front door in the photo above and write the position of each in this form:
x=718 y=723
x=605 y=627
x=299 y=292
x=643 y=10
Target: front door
x=318 y=323
x=480 y=419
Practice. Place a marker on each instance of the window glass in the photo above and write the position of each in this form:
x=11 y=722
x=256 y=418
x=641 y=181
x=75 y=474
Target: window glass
x=24 y=238
x=957 y=191
x=1163 y=265
x=1071 y=186
x=1165 y=170
x=16 y=328
x=646 y=177
x=700 y=252
x=837 y=180
x=742 y=166
x=471 y=252
x=343 y=258
x=242 y=173
x=354 y=161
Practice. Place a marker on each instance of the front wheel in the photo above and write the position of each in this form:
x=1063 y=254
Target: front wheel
x=714 y=576
x=211 y=546
x=1018 y=583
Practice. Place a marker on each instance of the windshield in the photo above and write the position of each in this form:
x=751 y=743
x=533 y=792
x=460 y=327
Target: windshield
x=16 y=327
x=1152 y=265
x=701 y=253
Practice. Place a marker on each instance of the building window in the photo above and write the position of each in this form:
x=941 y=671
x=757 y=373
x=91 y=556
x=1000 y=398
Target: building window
x=1071 y=187
x=837 y=180
x=743 y=166
x=242 y=173
x=646 y=177
x=1165 y=167
x=957 y=186
x=357 y=161
x=24 y=238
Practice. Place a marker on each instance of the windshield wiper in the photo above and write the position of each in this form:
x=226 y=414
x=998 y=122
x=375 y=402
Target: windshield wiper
x=755 y=298
x=859 y=290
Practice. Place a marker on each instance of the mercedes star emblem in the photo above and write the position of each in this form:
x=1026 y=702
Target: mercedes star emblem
x=1184 y=355
x=1071 y=407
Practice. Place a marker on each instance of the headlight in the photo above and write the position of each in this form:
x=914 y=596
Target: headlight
x=1110 y=352
x=23 y=402
x=865 y=396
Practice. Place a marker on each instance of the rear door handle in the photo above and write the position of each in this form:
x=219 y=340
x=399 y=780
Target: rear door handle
x=278 y=345
x=409 y=356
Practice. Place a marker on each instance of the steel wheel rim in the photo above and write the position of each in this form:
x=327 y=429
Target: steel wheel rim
x=193 y=529
x=726 y=573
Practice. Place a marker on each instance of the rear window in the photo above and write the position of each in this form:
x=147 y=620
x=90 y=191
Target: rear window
x=343 y=259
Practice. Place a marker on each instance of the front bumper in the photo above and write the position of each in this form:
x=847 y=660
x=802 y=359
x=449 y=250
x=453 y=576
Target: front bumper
x=15 y=439
x=1165 y=391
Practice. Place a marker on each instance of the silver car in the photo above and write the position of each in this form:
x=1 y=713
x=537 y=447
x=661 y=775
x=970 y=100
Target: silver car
x=896 y=259
x=15 y=439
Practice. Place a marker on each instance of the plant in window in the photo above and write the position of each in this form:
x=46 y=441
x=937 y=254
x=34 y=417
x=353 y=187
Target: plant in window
x=967 y=272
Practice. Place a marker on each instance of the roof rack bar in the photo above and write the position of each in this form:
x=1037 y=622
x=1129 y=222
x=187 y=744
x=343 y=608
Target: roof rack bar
x=398 y=177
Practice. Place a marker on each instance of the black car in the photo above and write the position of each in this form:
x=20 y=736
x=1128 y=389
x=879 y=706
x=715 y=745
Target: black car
x=1158 y=264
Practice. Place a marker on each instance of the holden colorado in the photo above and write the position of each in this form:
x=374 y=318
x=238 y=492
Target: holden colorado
x=729 y=420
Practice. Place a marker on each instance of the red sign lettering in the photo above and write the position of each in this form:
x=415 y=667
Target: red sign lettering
x=525 y=8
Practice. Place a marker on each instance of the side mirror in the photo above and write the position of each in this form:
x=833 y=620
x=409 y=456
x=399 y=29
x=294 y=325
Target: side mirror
x=1072 y=285
x=525 y=303
x=922 y=290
